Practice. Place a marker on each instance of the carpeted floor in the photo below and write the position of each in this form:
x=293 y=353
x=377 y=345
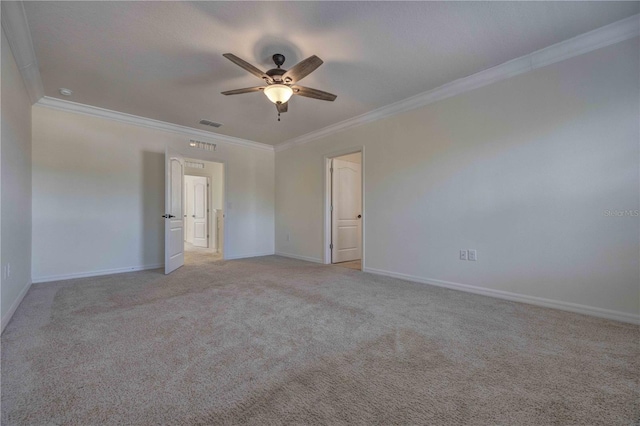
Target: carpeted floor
x=271 y=340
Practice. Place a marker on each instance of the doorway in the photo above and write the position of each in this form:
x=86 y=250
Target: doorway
x=203 y=198
x=344 y=210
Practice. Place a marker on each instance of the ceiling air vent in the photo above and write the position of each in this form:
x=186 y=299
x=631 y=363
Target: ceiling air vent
x=210 y=123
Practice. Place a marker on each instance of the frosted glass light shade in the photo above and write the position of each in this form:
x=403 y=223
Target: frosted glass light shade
x=278 y=93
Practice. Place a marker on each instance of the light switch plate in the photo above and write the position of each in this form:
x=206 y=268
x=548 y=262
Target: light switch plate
x=463 y=255
x=472 y=255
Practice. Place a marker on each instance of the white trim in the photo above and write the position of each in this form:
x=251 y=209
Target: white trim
x=515 y=297
x=16 y=28
x=52 y=278
x=609 y=34
x=246 y=256
x=295 y=256
x=135 y=120
x=12 y=310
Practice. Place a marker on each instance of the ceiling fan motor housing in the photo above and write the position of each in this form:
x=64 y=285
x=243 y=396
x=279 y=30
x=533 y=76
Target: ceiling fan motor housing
x=276 y=74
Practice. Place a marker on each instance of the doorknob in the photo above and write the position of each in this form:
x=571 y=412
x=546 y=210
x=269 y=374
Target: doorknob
x=168 y=216
x=193 y=216
x=359 y=216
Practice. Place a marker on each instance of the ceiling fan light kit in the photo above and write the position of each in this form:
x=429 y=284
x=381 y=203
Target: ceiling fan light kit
x=280 y=83
x=278 y=93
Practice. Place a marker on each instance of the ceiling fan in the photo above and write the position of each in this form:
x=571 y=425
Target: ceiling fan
x=280 y=83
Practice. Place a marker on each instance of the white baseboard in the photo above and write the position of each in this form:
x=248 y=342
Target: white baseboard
x=515 y=297
x=52 y=278
x=245 y=256
x=7 y=317
x=295 y=256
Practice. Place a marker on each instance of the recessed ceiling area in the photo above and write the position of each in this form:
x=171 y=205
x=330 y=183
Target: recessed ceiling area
x=163 y=60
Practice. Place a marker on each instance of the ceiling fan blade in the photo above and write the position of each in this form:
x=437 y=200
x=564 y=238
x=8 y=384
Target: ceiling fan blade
x=313 y=93
x=302 y=69
x=246 y=65
x=245 y=90
x=283 y=107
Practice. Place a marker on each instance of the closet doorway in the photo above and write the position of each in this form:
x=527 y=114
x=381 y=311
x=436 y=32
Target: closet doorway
x=344 y=212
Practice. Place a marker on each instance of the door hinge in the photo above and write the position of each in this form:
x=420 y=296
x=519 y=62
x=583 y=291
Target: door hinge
x=331 y=170
x=331 y=208
x=331 y=246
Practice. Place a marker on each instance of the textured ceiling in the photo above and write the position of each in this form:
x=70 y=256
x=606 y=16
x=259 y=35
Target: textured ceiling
x=163 y=60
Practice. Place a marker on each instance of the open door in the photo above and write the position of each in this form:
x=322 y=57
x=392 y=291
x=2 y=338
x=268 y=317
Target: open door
x=173 y=217
x=346 y=211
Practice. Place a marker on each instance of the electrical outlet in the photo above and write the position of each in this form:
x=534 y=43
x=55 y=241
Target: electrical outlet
x=463 y=255
x=472 y=255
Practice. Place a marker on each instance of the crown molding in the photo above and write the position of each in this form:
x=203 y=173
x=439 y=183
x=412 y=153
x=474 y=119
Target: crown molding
x=616 y=32
x=135 y=120
x=16 y=28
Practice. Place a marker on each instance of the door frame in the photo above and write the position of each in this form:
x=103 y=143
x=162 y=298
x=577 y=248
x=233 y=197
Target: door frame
x=326 y=165
x=196 y=154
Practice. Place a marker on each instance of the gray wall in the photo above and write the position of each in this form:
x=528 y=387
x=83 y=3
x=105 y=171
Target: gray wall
x=522 y=170
x=15 y=195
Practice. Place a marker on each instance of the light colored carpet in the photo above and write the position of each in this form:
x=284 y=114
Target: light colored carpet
x=271 y=340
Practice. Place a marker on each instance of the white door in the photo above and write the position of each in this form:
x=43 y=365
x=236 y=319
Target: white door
x=173 y=222
x=199 y=209
x=346 y=213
